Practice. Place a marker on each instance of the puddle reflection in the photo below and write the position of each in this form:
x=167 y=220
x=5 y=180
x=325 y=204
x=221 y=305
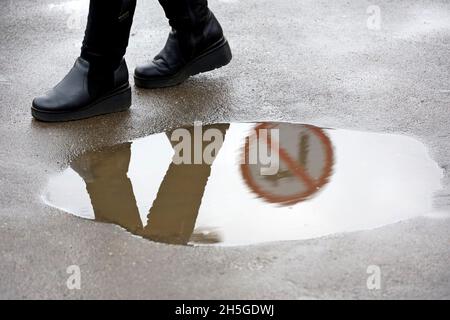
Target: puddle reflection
x=326 y=181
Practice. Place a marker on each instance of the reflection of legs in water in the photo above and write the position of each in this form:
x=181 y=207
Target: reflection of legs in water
x=174 y=212
x=110 y=190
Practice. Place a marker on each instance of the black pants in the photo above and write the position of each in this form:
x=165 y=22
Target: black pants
x=109 y=24
x=107 y=31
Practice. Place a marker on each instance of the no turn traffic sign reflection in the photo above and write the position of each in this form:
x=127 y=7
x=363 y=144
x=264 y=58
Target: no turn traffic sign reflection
x=306 y=159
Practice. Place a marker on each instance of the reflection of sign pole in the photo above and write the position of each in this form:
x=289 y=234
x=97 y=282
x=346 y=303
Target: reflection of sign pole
x=306 y=163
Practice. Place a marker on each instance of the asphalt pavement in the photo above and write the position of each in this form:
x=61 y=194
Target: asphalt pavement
x=332 y=64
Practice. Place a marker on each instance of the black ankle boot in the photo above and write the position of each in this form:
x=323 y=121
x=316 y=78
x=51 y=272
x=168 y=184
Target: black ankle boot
x=83 y=93
x=196 y=44
x=98 y=82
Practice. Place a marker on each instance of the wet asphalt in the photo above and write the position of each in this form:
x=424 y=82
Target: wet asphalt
x=314 y=62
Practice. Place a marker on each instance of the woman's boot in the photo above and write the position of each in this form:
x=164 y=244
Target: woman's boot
x=98 y=82
x=196 y=44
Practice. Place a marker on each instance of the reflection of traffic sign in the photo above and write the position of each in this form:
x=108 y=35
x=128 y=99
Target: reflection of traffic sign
x=306 y=163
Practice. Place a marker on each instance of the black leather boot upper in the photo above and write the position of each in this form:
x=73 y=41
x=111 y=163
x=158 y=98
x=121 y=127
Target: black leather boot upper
x=82 y=86
x=195 y=29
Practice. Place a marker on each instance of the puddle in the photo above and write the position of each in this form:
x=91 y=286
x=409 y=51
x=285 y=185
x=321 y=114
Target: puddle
x=321 y=182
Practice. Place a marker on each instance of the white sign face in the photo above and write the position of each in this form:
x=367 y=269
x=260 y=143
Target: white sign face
x=305 y=158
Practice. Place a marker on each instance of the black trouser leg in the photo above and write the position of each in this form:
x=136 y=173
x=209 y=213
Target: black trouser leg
x=107 y=31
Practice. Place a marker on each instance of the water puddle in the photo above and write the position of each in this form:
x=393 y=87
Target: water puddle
x=247 y=183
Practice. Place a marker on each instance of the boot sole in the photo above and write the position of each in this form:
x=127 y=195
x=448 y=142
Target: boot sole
x=217 y=56
x=117 y=101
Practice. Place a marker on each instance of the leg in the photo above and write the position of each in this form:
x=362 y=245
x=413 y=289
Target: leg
x=175 y=209
x=174 y=212
x=110 y=190
x=107 y=32
x=98 y=82
x=196 y=44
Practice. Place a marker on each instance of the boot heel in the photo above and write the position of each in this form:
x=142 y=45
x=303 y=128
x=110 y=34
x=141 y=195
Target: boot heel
x=116 y=102
x=213 y=59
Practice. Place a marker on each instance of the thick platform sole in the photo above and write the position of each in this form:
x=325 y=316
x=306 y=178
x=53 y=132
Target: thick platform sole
x=217 y=56
x=117 y=101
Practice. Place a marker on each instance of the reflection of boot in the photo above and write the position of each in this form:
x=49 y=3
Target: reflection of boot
x=174 y=212
x=110 y=190
x=98 y=82
x=196 y=44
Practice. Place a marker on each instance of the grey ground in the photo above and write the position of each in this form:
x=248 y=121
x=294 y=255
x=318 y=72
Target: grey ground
x=309 y=61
